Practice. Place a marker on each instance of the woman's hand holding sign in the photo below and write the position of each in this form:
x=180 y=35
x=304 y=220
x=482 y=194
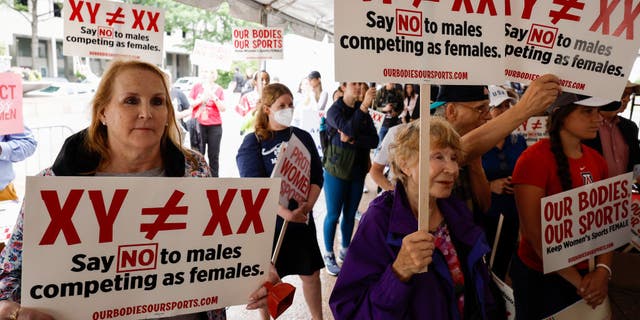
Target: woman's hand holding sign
x=12 y=310
x=415 y=254
x=594 y=287
x=298 y=215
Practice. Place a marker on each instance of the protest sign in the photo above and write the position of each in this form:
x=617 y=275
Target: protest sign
x=635 y=222
x=581 y=310
x=132 y=248
x=533 y=129
x=377 y=117
x=106 y=29
x=419 y=41
x=507 y=295
x=257 y=43
x=10 y=103
x=294 y=167
x=584 y=43
x=211 y=55
x=584 y=222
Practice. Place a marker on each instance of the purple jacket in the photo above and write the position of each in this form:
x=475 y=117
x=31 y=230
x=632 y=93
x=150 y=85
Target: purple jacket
x=367 y=287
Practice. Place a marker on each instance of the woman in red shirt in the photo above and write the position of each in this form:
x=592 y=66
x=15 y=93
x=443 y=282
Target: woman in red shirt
x=208 y=102
x=548 y=167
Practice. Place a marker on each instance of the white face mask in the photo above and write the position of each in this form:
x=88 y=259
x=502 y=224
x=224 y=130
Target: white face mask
x=284 y=116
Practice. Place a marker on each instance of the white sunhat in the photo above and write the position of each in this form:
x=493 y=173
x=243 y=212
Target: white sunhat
x=498 y=95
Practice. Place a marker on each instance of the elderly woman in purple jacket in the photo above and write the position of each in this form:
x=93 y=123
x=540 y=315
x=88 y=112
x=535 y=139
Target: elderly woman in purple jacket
x=381 y=276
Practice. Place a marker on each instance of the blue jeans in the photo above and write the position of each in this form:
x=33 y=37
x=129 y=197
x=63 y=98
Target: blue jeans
x=539 y=295
x=340 y=196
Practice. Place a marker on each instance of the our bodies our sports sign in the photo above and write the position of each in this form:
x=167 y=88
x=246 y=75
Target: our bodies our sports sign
x=135 y=248
x=584 y=222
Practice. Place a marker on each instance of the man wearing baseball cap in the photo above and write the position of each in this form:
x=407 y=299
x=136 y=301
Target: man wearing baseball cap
x=466 y=108
x=478 y=136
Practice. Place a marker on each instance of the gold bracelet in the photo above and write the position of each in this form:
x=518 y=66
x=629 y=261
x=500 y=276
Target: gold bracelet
x=15 y=313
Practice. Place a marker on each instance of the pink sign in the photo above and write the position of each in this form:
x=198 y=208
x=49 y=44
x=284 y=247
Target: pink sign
x=10 y=103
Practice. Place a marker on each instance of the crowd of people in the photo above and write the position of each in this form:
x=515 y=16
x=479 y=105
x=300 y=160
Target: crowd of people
x=478 y=171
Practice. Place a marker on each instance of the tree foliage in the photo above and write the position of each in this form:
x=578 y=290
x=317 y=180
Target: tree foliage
x=197 y=23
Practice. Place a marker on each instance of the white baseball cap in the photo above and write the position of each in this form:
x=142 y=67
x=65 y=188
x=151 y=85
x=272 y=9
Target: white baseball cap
x=498 y=95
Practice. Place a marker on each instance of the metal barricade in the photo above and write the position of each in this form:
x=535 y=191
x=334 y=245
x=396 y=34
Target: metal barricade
x=50 y=140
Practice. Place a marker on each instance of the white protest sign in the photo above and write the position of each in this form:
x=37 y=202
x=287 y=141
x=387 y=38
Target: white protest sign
x=507 y=295
x=377 y=117
x=635 y=222
x=582 y=311
x=294 y=167
x=585 y=43
x=584 y=222
x=211 y=55
x=10 y=103
x=132 y=248
x=533 y=129
x=419 y=41
x=106 y=29
x=257 y=43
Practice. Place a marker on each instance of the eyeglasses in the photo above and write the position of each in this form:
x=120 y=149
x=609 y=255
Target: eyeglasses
x=481 y=110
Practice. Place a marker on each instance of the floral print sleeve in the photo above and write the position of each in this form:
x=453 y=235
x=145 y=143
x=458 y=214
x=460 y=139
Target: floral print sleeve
x=11 y=258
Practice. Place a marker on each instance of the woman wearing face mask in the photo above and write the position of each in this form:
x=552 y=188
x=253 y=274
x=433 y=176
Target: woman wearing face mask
x=256 y=157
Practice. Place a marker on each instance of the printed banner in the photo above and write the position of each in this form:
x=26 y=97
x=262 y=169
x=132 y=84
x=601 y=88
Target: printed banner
x=534 y=129
x=635 y=221
x=414 y=41
x=585 y=43
x=585 y=222
x=211 y=55
x=294 y=167
x=10 y=103
x=137 y=248
x=107 y=30
x=257 y=43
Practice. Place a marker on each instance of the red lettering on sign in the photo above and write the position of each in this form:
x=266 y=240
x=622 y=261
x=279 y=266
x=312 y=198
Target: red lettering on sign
x=563 y=14
x=219 y=212
x=542 y=36
x=409 y=23
x=160 y=224
x=106 y=220
x=603 y=18
x=252 y=209
x=7 y=91
x=139 y=16
x=629 y=17
x=115 y=17
x=137 y=257
x=60 y=216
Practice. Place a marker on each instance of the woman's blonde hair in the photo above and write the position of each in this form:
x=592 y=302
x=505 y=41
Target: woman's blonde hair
x=270 y=94
x=97 y=139
x=406 y=146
